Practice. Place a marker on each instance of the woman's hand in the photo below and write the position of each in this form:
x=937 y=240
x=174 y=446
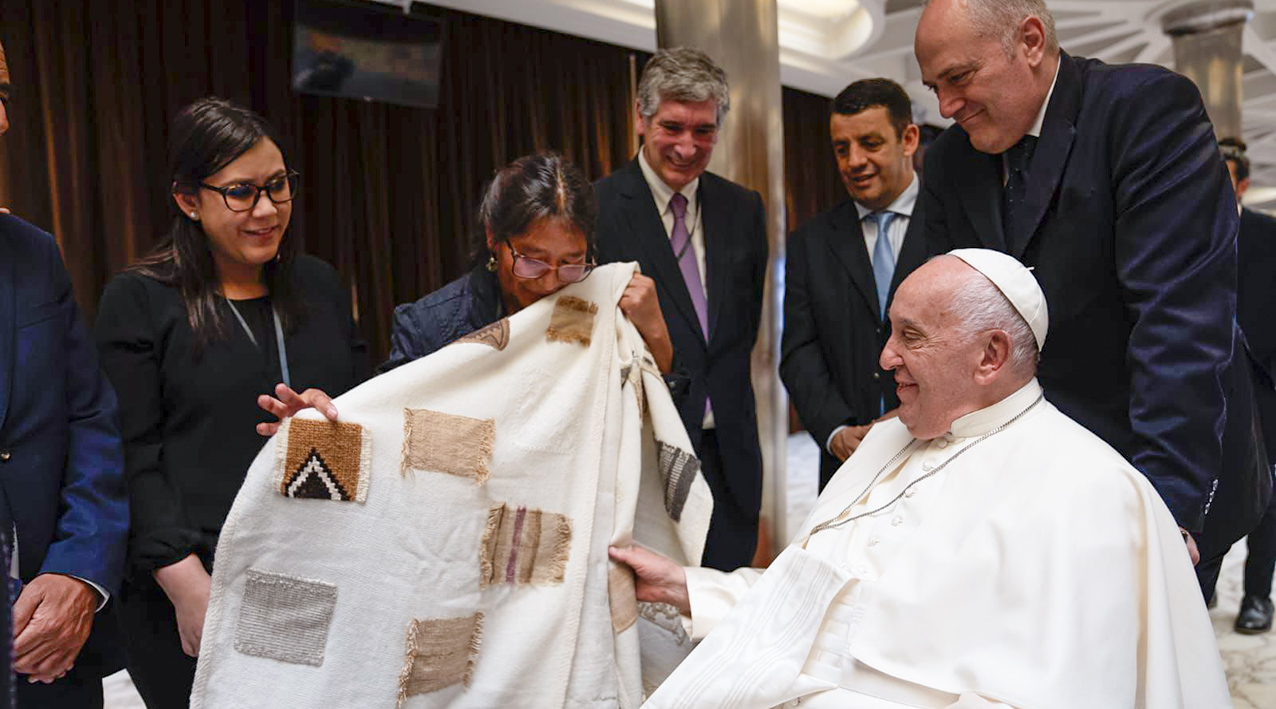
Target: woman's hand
x=641 y=305
x=287 y=402
x=186 y=584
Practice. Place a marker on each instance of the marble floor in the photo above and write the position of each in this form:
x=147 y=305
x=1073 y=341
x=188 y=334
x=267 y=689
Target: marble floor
x=1250 y=660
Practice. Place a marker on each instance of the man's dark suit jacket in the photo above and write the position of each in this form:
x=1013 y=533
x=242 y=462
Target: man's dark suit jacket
x=61 y=463
x=1130 y=223
x=833 y=333
x=630 y=229
x=1256 y=310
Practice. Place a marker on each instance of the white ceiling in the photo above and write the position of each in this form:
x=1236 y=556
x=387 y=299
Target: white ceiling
x=826 y=44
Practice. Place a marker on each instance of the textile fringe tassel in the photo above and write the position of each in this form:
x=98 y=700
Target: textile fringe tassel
x=572 y=321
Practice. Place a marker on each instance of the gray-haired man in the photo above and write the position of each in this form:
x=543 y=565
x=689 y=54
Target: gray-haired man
x=703 y=239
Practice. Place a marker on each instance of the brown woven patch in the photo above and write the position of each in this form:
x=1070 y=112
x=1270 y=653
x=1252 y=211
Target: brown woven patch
x=496 y=335
x=522 y=546
x=445 y=443
x=441 y=653
x=572 y=321
x=665 y=617
x=622 y=596
x=324 y=460
x=678 y=470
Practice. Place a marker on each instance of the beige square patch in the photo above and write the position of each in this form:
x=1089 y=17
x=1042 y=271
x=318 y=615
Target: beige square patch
x=572 y=321
x=522 y=546
x=446 y=443
x=324 y=460
x=496 y=335
x=441 y=653
x=622 y=596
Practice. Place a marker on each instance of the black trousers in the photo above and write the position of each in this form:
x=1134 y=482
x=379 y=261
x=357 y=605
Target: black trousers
x=1261 y=561
x=79 y=689
x=162 y=673
x=733 y=532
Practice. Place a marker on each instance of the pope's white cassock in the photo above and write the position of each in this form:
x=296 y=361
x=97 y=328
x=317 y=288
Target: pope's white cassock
x=1033 y=567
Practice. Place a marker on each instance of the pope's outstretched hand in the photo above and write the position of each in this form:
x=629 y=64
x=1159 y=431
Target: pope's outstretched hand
x=659 y=580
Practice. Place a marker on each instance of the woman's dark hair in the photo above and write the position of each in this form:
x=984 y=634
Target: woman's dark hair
x=533 y=187
x=207 y=136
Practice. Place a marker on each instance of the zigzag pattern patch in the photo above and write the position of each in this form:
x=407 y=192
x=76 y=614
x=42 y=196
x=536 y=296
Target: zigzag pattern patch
x=323 y=460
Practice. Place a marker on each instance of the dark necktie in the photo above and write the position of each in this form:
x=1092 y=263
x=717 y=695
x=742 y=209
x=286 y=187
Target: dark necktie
x=1017 y=159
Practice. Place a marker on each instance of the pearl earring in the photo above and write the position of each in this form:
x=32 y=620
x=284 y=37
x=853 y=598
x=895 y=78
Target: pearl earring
x=194 y=216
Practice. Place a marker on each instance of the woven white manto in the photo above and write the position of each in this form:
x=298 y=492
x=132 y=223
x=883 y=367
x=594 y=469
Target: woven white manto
x=570 y=438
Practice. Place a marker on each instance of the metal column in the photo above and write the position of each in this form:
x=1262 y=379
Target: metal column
x=1207 y=37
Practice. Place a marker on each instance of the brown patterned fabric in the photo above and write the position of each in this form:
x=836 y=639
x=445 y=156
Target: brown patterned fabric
x=446 y=443
x=441 y=653
x=572 y=321
x=522 y=546
x=622 y=597
x=678 y=470
x=496 y=335
x=324 y=460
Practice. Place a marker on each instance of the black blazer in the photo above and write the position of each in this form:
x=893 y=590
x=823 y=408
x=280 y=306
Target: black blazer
x=833 y=333
x=1130 y=223
x=1255 y=305
x=630 y=229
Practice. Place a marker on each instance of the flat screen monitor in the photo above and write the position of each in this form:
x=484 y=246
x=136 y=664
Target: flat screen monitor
x=362 y=51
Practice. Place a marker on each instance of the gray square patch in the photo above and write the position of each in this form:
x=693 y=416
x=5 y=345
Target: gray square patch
x=285 y=618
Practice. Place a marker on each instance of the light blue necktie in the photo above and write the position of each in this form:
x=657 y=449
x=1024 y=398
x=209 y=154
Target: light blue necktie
x=883 y=258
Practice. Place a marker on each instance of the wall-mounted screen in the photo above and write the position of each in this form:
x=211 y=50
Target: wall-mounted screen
x=359 y=50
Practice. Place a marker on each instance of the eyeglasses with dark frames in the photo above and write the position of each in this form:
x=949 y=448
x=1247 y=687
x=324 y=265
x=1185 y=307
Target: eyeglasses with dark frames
x=243 y=196
x=530 y=268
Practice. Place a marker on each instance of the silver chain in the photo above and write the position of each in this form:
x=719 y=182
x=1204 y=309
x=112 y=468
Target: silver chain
x=835 y=522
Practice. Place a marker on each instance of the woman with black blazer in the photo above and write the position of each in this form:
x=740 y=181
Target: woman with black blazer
x=220 y=311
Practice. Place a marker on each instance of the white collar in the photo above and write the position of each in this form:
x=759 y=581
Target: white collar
x=903 y=204
x=977 y=423
x=1035 y=131
x=662 y=191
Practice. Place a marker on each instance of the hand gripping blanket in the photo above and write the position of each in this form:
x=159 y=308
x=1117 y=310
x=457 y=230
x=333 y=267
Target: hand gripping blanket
x=445 y=543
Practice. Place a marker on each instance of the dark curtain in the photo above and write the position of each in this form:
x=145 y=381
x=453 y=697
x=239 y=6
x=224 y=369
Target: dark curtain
x=388 y=192
x=811 y=182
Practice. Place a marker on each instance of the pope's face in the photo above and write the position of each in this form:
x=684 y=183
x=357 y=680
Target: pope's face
x=933 y=358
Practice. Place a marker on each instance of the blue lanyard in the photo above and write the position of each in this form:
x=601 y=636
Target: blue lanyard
x=279 y=338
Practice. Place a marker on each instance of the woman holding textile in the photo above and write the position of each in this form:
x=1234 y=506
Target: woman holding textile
x=221 y=309
x=538 y=217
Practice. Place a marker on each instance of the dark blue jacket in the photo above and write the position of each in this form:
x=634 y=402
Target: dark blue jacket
x=61 y=463
x=470 y=302
x=1131 y=224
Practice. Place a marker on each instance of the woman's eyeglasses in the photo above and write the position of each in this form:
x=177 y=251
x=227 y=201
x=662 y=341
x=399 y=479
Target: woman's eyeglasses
x=242 y=197
x=530 y=268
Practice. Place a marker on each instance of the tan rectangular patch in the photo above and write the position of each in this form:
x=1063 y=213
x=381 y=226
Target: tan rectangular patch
x=441 y=653
x=446 y=443
x=522 y=546
x=325 y=460
x=572 y=321
x=622 y=596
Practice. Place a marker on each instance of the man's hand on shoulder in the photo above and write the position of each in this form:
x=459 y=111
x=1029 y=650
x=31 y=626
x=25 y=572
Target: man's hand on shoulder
x=847 y=440
x=51 y=621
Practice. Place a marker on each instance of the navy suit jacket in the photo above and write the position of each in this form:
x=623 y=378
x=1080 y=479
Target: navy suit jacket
x=61 y=463
x=833 y=332
x=1130 y=223
x=630 y=229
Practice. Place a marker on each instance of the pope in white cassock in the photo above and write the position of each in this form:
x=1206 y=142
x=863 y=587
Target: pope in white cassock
x=982 y=550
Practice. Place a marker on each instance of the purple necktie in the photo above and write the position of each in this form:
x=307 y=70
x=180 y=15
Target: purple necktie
x=680 y=240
